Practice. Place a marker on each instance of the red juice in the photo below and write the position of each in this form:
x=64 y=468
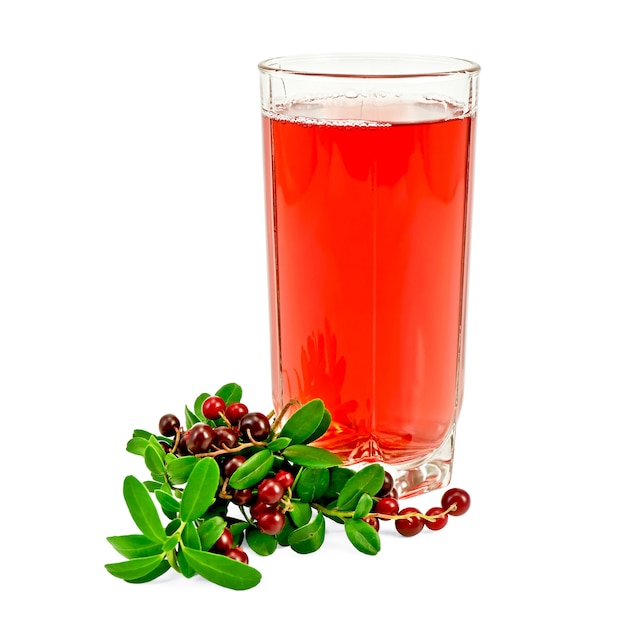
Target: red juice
x=368 y=226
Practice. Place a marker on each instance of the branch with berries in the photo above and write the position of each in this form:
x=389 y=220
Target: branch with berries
x=231 y=481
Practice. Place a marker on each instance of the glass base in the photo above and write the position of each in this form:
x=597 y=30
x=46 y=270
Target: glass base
x=418 y=477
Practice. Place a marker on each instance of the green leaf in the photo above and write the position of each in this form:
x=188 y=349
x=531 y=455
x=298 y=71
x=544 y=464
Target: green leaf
x=134 y=568
x=308 y=538
x=172 y=527
x=186 y=568
x=178 y=470
x=364 y=506
x=142 y=509
x=143 y=434
x=168 y=503
x=190 y=537
x=170 y=543
x=322 y=428
x=278 y=444
x=283 y=536
x=197 y=405
x=153 y=460
x=155 y=573
x=312 y=483
x=137 y=445
x=135 y=546
x=152 y=485
x=367 y=480
x=231 y=392
x=301 y=513
x=362 y=536
x=339 y=476
x=252 y=470
x=304 y=423
x=221 y=570
x=309 y=456
x=191 y=418
x=200 y=491
x=237 y=530
x=259 y=542
x=210 y=531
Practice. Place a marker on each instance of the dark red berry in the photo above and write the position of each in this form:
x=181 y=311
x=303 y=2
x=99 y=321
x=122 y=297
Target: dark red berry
x=182 y=450
x=254 y=426
x=235 y=411
x=440 y=522
x=261 y=508
x=271 y=523
x=410 y=526
x=270 y=491
x=224 y=543
x=285 y=478
x=212 y=407
x=225 y=437
x=387 y=506
x=387 y=486
x=242 y=497
x=199 y=438
x=237 y=554
x=166 y=446
x=373 y=522
x=232 y=464
x=168 y=425
x=457 y=498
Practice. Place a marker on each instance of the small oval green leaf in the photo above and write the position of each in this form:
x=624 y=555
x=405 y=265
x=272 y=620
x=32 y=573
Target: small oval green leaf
x=312 y=483
x=259 y=542
x=362 y=536
x=200 y=491
x=309 y=456
x=155 y=573
x=310 y=537
x=301 y=513
x=134 y=568
x=135 y=546
x=168 y=503
x=367 y=480
x=153 y=460
x=142 y=509
x=221 y=570
x=304 y=422
x=363 y=506
x=252 y=470
x=278 y=444
x=231 y=392
x=210 y=531
x=179 y=469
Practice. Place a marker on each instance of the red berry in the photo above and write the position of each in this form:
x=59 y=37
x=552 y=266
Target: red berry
x=199 y=438
x=271 y=523
x=410 y=526
x=373 y=522
x=212 y=407
x=224 y=543
x=457 y=498
x=440 y=522
x=285 y=478
x=242 y=497
x=387 y=506
x=168 y=425
x=254 y=426
x=270 y=491
x=225 y=437
x=237 y=554
x=260 y=508
x=232 y=464
x=235 y=411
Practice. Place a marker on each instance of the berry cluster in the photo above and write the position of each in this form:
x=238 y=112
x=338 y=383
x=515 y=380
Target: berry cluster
x=228 y=460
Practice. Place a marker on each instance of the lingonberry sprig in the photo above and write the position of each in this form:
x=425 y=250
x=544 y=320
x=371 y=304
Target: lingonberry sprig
x=232 y=481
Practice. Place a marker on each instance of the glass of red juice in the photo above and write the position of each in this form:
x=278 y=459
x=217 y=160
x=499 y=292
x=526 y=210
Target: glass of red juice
x=368 y=178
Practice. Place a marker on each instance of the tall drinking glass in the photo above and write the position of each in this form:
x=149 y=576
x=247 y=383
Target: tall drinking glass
x=368 y=172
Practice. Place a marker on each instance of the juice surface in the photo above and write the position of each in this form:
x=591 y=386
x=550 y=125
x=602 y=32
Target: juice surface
x=367 y=238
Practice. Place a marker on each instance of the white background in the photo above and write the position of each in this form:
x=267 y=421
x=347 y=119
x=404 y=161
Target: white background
x=133 y=278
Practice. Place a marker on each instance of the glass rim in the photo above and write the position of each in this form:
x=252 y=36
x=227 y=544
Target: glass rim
x=415 y=65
